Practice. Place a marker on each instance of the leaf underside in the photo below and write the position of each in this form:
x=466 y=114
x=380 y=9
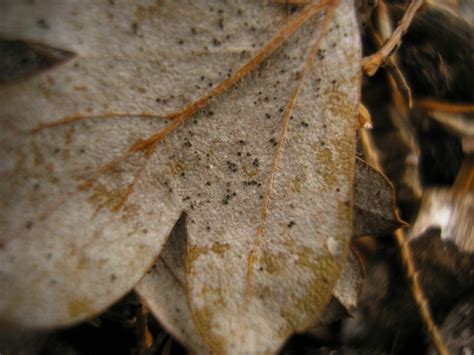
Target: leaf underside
x=264 y=169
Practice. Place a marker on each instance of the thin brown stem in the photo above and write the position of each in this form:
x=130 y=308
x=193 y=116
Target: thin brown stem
x=372 y=157
x=450 y=107
x=372 y=63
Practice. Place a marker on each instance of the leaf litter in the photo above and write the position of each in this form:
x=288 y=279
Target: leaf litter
x=260 y=162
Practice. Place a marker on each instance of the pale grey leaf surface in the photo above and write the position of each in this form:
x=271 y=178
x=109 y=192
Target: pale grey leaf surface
x=164 y=291
x=374 y=202
x=87 y=206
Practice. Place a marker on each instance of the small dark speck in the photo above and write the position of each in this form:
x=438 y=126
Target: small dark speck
x=208 y=228
x=43 y=24
x=267 y=115
x=255 y=162
x=56 y=150
x=216 y=42
x=221 y=23
x=304 y=124
x=232 y=166
x=36 y=186
x=113 y=277
x=183 y=174
x=28 y=225
x=134 y=27
x=208 y=183
x=211 y=113
x=180 y=41
x=193 y=30
x=291 y=224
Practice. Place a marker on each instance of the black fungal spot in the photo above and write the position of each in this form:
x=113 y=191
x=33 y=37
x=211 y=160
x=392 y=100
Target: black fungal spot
x=208 y=183
x=291 y=224
x=232 y=166
x=43 y=24
x=134 y=28
x=255 y=162
x=304 y=124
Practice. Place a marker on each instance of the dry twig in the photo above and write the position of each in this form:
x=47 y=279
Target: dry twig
x=372 y=63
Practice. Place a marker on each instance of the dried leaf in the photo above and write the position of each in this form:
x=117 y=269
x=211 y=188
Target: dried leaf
x=264 y=171
x=164 y=290
x=374 y=199
x=450 y=211
x=346 y=293
x=20 y=59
